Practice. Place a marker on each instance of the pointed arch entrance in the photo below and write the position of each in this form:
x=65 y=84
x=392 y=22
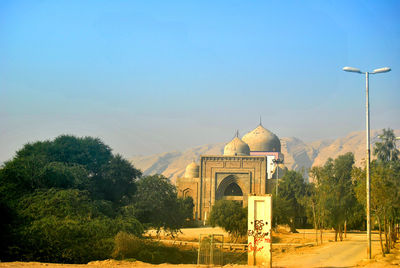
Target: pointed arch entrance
x=233 y=190
x=229 y=189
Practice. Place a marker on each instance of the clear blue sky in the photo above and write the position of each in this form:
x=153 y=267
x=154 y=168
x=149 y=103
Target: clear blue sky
x=155 y=76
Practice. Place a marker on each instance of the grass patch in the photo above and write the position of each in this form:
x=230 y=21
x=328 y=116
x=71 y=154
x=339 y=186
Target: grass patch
x=131 y=248
x=235 y=258
x=128 y=246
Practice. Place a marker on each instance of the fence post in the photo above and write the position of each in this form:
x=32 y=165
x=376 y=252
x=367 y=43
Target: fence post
x=198 y=252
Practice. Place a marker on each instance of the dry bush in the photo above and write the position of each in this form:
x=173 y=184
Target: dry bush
x=126 y=246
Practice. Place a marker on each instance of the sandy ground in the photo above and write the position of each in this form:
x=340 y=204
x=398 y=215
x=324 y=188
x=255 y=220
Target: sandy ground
x=349 y=253
x=284 y=236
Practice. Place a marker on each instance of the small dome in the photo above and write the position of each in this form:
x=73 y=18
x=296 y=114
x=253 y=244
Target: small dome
x=192 y=170
x=262 y=140
x=236 y=147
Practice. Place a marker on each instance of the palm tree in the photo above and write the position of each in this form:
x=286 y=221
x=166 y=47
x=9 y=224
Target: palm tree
x=386 y=150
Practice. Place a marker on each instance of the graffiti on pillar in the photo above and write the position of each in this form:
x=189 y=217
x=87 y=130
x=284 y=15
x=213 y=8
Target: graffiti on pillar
x=259 y=236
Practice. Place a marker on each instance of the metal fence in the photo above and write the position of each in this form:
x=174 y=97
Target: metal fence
x=210 y=250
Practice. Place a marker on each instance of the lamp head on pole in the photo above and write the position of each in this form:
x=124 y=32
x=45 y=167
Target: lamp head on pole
x=352 y=69
x=381 y=70
x=277 y=161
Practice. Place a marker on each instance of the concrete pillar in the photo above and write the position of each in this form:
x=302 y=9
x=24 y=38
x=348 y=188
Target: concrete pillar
x=259 y=230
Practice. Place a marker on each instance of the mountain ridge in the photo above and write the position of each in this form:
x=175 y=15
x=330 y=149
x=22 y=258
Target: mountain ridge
x=298 y=155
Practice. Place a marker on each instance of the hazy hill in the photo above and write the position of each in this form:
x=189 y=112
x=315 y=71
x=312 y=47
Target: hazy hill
x=353 y=142
x=173 y=164
x=298 y=154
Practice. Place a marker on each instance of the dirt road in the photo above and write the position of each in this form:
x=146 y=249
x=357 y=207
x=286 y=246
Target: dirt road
x=334 y=254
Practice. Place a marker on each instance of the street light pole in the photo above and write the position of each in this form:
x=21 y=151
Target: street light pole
x=277 y=161
x=368 y=179
x=368 y=187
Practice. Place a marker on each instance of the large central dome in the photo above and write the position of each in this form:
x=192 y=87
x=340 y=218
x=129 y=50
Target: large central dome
x=262 y=140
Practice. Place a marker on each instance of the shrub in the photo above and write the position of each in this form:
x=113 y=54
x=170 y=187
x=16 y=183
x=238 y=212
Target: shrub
x=67 y=226
x=158 y=206
x=145 y=255
x=231 y=216
x=126 y=246
x=130 y=246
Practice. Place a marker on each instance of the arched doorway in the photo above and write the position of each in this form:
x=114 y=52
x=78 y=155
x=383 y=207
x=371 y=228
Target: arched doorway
x=187 y=192
x=229 y=189
x=233 y=190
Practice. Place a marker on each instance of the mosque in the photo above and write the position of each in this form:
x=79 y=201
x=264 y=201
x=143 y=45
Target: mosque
x=248 y=166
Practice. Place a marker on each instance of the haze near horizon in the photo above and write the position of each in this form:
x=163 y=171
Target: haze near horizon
x=150 y=77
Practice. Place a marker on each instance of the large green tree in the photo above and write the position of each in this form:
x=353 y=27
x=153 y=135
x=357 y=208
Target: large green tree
x=385 y=198
x=158 y=206
x=68 y=226
x=335 y=199
x=287 y=206
x=69 y=162
x=387 y=169
x=64 y=200
x=231 y=216
x=116 y=181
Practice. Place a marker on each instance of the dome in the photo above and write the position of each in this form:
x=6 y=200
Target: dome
x=236 y=147
x=262 y=140
x=192 y=170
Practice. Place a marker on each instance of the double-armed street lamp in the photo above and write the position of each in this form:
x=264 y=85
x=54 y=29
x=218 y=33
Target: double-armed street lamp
x=368 y=181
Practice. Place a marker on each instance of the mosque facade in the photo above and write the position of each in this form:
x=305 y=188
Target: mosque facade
x=247 y=167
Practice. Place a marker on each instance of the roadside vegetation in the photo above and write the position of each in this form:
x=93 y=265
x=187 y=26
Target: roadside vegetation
x=66 y=200
x=385 y=189
x=334 y=199
x=131 y=247
x=71 y=200
x=231 y=216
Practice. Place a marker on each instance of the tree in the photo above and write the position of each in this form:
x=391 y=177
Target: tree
x=287 y=205
x=386 y=150
x=335 y=198
x=89 y=152
x=385 y=197
x=157 y=205
x=64 y=200
x=187 y=206
x=385 y=187
x=230 y=216
x=117 y=180
x=312 y=208
x=69 y=162
x=67 y=226
x=63 y=176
